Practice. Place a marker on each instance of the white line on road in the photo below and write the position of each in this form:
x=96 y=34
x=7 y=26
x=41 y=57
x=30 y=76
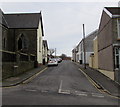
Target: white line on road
x=97 y=95
x=65 y=92
x=60 y=88
x=81 y=94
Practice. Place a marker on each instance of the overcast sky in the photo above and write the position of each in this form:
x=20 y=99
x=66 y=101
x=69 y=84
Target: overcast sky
x=63 y=20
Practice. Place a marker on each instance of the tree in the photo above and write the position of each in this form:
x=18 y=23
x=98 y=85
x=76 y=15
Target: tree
x=51 y=51
x=63 y=56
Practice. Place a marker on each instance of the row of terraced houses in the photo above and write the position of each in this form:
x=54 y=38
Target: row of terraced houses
x=23 y=47
x=103 y=45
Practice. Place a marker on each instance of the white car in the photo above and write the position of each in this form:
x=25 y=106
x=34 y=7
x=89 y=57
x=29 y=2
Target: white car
x=59 y=60
x=52 y=62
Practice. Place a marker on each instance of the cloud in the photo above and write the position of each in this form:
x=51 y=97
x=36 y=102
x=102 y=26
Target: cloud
x=63 y=21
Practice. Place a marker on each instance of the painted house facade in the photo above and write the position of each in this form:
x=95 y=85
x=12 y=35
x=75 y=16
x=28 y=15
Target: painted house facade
x=74 y=55
x=109 y=43
x=78 y=53
x=93 y=61
x=45 y=52
x=22 y=35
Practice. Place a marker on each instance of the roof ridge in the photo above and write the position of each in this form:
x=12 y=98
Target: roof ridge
x=20 y=13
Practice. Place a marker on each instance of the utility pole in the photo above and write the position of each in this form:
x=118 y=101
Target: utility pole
x=84 y=47
x=55 y=52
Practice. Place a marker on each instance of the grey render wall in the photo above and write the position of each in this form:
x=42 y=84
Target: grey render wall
x=89 y=41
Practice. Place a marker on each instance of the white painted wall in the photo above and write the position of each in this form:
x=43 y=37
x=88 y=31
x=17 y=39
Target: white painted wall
x=46 y=52
x=78 y=57
x=39 y=44
x=119 y=4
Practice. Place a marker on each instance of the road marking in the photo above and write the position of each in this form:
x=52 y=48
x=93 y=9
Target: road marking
x=60 y=88
x=29 y=79
x=44 y=91
x=30 y=90
x=64 y=92
x=95 y=95
x=81 y=94
x=10 y=86
x=91 y=81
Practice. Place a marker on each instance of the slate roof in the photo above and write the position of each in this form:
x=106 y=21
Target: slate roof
x=2 y=19
x=114 y=10
x=23 y=20
x=92 y=35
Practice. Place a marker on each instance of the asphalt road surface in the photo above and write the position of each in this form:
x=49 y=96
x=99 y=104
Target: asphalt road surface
x=64 y=84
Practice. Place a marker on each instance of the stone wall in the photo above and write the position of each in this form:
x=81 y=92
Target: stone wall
x=13 y=69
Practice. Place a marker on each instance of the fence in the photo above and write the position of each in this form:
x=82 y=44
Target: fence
x=8 y=56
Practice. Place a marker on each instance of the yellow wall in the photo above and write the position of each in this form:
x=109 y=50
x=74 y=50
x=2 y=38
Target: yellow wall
x=39 y=44
x=108 y=73
x=95 y=48
x=93 y=60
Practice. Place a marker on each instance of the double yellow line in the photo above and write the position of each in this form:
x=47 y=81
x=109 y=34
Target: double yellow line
x=29 y=79
x=97 y=86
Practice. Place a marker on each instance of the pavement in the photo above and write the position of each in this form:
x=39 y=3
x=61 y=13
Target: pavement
x=13 y=81
x=105 y=83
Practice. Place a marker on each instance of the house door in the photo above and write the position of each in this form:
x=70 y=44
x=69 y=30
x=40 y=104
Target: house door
x=117 y=58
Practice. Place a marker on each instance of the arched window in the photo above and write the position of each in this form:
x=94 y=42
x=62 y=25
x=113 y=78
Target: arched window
x=19 y=44
x=22 y=42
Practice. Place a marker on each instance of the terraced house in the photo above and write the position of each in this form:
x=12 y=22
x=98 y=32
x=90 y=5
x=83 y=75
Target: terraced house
x=22 y=35
x=109 y=43
x=78 y=51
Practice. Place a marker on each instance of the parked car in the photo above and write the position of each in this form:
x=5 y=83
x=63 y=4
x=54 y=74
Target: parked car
x=59 y=60
x=52 y=62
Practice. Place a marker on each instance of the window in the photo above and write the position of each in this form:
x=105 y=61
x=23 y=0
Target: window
x=19 y=44
x=117 y=58
x=22 y=43
x=118 y=28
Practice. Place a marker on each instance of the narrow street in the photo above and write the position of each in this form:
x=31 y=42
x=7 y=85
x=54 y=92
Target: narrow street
x=64 y=84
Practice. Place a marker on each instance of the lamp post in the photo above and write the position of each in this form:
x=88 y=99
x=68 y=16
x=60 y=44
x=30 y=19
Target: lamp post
x=84 y=47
